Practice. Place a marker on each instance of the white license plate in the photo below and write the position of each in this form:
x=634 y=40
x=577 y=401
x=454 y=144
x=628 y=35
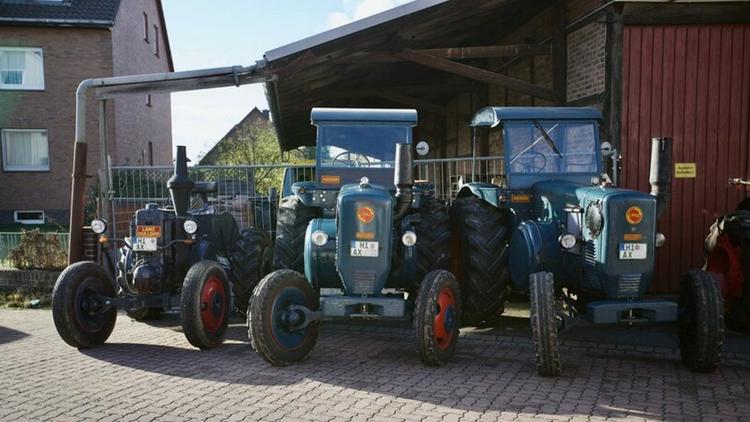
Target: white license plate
x=368 y=249
x=145 y=244
x=633 y=250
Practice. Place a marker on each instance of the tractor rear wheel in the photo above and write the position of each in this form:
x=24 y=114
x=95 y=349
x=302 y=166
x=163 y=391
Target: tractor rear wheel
x=544 y=328
x=291 y=226
x=205 y=304
x=433 y=237
x=701 y=325
x=250 y=261
x=436 y=317
x=481 y=239
x=80 y=316
x=278 y=332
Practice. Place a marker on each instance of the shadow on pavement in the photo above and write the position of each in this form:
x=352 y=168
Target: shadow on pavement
x=9 y=335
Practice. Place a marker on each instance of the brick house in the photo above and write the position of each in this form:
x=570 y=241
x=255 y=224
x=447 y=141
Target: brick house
x=255 y=118
x=47 y=47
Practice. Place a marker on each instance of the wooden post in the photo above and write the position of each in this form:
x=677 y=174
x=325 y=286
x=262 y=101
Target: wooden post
x=77 y=197
x=560 y=52
x=615 y=35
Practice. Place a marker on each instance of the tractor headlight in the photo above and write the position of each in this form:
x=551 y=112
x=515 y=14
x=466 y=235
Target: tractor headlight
x=660 y=240
x=568 y=241
x=319 y=237
x=98 y=226
x=594 y=219
x=190 y=226
x=409 y=238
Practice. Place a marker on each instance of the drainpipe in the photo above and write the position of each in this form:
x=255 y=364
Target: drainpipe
x=131 y=84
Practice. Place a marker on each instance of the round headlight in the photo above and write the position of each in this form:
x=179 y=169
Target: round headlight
x=98 y=226
x=409 y=238
x=568 y=241
x=660 y=240
x=319 y=237
x=190 y=226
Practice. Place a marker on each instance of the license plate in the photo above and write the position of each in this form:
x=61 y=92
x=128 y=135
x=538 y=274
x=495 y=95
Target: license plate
x=145 y=244
x=367 y=249
x=633 y=250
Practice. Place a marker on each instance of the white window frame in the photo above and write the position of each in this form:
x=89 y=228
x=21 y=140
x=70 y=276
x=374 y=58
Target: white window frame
x=22 y=87
x=10 y=168
x=37 y=221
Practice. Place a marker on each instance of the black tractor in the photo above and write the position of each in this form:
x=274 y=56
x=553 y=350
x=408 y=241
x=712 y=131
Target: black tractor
x=193 y=258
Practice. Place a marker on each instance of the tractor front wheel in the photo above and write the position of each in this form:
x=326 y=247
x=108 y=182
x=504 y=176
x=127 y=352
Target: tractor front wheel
x=437 y=316
x=205 y=304
x=544 y=329
x=278 y=327
x=701 y=331
x=81 y=317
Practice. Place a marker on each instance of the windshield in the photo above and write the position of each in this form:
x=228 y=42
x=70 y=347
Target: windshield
x=358 y=145
x=551 y=147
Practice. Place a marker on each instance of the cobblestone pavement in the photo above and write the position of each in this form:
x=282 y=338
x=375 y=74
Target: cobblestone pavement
x=358 y=372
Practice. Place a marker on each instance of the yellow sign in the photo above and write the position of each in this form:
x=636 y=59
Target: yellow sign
x=685 y=170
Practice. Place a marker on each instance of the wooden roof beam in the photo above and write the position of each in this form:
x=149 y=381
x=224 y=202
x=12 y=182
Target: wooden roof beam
x=478 y=74
x=453 y=53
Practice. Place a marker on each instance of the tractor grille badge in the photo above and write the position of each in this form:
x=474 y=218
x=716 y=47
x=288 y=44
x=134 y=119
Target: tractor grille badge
x=365 y=214
x=634 y=215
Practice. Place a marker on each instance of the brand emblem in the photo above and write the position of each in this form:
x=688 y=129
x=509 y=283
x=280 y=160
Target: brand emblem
x=365 y=214
x=634 y=215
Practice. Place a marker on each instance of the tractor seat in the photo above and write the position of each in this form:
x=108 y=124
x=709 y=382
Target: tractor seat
x=206 y=187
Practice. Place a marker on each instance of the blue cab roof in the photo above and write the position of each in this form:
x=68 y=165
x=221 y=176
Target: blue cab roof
x=383 y=115
x=492 y=116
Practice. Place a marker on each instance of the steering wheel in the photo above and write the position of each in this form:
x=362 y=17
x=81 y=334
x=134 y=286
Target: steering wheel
x=530 y=161
x=350 y=162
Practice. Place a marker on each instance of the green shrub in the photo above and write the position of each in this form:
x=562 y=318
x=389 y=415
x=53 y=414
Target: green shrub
x=38 y=251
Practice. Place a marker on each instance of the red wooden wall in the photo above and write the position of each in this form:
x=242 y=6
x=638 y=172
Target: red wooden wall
x=691 y=83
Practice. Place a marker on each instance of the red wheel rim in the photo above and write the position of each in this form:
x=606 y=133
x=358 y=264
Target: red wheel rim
x=445 y=318
x=212 y=304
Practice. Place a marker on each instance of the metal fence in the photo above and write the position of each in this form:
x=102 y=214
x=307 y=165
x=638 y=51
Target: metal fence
x=11 y=240
x=247 y=191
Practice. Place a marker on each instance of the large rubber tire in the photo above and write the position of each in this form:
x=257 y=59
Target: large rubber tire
x=482 y=238
x=205 y=305
x=250 y=261
x=269 y=335
x=436 y=317
x=291 y=226
x=76 y=321
x=433 y=237
x=701 y=325
x=544 y=328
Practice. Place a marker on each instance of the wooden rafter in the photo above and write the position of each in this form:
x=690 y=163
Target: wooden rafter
x=453 y=53
x=399 y=98
x=478 y=74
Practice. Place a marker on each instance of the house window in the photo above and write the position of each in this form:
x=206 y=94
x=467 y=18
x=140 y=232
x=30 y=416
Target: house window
x=156 y=41
x=25 y=150
x=28 y=217
x=145 y=27
x=21 y=68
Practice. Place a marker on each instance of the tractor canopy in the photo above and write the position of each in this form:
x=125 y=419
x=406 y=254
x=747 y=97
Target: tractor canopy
x=546 y=143
x=352 y=143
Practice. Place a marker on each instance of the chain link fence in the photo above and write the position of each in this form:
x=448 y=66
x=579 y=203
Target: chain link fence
x=251 y=193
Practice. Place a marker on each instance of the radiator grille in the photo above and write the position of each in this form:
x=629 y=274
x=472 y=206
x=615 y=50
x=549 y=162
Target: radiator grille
x=589 y=259
x=363 y=282
x=629 y=285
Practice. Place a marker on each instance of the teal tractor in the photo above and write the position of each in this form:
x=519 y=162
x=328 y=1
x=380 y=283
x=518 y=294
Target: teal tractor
x=362 y=241
x=557 y=228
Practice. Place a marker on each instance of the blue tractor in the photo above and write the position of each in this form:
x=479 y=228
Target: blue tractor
x=362 y=241
x=557 y=228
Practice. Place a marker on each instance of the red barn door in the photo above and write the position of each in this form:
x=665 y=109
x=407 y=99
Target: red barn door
x=690 y=83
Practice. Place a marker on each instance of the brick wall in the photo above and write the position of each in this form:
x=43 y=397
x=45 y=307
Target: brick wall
x=137 y=123
x=27 y=280
x=586 y=61
x=70 y=56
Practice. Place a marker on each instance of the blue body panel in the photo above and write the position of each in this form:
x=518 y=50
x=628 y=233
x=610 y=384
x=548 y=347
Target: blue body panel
x=493 y=116
x=617 y=312
x=401 y=116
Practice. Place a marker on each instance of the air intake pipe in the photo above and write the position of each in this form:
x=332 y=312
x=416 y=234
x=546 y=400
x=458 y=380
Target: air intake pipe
x=403 y=178
x=660 y=175
x=180 y=185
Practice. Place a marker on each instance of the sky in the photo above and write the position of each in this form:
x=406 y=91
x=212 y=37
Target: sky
x=204 y=34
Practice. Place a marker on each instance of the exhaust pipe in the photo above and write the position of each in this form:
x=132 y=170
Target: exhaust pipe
x=180 y=185
x=660 y=175
x=403 y=178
